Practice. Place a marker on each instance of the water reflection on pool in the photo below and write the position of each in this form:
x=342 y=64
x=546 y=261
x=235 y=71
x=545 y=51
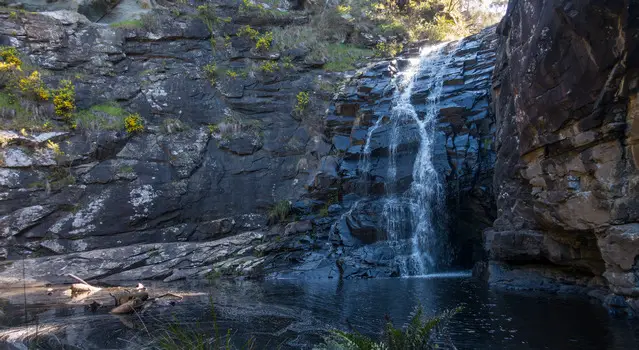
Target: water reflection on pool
x=295 y=313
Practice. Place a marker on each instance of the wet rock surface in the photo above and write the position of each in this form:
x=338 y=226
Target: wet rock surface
x=359 y=126
x=565 y=92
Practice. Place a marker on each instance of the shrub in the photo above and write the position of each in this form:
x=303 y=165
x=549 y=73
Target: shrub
x=280 y=211
x=249 y=32
x=9 y=55
x=33 y=87
x=343 y=57
x=264 y=41
x=303 y=99
x=418 y=334
x=207 y=13
x=214 y=128
x=231 y=74
x=269 y=67
x=106 y=116
x=211 y=72
x=287 y=63
x=388 y=49
x=64 y=99
x=128 y=24
x=133 y=123
x=10 y=64
x=258 y=10
x=55 y=147
x=343 y=9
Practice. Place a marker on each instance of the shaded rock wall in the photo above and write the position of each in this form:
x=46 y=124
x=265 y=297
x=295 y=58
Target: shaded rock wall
x=180 y=180
x=463 y=153
x=566 y=174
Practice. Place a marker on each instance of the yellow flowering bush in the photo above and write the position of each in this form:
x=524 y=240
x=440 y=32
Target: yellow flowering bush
x=64 y=99
x=10 y=64
x=133 y=123
x=9 y=56
x=33 y=87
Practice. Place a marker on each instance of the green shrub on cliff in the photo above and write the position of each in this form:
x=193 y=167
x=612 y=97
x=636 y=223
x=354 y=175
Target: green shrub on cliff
x=106 y=116
x=280 y=211
x=128 y=24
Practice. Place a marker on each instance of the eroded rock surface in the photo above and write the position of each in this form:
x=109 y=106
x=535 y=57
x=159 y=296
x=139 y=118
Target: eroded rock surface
x=211 y=161
x=565 y=92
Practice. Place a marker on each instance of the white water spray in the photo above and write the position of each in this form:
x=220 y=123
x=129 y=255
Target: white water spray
x=412 y=210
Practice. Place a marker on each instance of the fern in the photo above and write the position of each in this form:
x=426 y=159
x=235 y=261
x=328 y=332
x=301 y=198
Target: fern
x=418 y=334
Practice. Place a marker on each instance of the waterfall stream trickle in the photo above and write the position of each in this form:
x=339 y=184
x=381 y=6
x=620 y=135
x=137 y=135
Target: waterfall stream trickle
x=409 y=216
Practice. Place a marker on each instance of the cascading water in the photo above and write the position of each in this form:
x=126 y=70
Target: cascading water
x=409 y=216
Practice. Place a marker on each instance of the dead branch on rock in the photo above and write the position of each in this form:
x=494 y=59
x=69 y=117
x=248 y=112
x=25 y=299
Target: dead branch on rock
x=83 y=286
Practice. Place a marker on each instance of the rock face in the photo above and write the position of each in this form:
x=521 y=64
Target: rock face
x=565 y=94
x=210 y=163
x=190 y=195
x=360 y=127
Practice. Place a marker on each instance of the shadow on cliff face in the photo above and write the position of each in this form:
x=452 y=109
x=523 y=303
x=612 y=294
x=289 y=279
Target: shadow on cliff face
x=564 y=95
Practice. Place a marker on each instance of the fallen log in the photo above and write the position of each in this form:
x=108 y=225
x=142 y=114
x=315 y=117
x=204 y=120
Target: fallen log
x=83 y=286
x=128 y=307
x=121 y=298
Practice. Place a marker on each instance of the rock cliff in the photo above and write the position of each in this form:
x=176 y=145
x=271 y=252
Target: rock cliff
x=212 y=160
x=566 y=174
x=190 y=195
x=230 y=177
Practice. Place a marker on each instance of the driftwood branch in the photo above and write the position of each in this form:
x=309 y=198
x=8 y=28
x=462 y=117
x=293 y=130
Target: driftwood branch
x=83 y=286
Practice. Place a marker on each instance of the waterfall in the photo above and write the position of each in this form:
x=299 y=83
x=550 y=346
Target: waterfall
x=409 y=215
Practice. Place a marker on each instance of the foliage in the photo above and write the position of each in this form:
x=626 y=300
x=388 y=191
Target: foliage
x=269 y=67
x=344 y=57
x=207 y=13
x=418 y=334
x=343 y=10
x=249 y=32
x=390 y=49
x=280 y=211
x=10 y=64
x=128 y=24
x=106 y=116
x=177 y=337
x=338 y=57
x=33 y=87
x=264 y=41
x=133 y=123
x=10 y=58
x=418 y=19
x=64 y=99
x=303 y=99
x=211 y=72
x=55 y=147
x=287 y=63
x=214 y=128
x=249 y=8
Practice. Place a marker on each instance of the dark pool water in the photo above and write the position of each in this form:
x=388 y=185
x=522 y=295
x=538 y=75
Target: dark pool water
x=293 y=314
